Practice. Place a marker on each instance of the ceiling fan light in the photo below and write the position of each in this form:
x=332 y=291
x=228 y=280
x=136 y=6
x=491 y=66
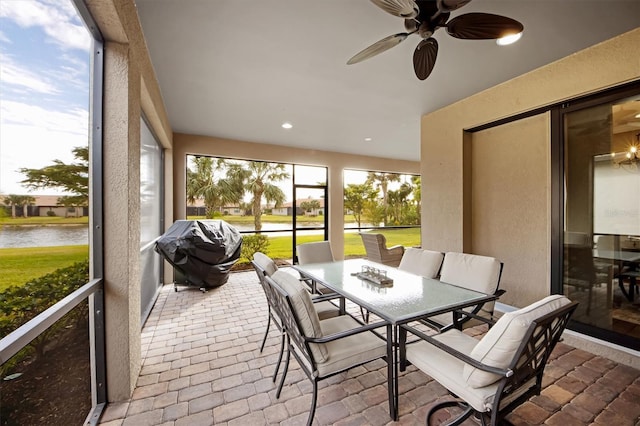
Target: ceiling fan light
x=508 y=39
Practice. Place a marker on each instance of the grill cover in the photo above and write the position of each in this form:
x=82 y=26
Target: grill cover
x=202 y=250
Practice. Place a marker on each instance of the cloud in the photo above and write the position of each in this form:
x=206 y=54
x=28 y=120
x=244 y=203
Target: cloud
x=13 y=74
x=32 y=137
x=56 y=18
x=73 y=121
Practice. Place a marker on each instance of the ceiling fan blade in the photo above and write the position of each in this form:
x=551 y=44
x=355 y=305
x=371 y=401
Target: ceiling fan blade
x=482 y=26
x=401 y=8
x=451 y=5
x=378 y=47
x=424 y=57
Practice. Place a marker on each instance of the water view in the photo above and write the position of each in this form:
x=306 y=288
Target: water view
x=43 y=236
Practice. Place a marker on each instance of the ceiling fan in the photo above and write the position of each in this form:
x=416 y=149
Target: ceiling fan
x=424 y=17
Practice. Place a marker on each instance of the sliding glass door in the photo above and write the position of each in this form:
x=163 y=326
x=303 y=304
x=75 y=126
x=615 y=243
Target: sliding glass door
x=601 y=216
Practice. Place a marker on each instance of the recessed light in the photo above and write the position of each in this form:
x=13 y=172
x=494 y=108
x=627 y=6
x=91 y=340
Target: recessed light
x=509 y=39
x=367 y=139
x=287 y=125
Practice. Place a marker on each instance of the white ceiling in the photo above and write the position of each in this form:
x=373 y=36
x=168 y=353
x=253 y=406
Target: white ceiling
x=239 y=68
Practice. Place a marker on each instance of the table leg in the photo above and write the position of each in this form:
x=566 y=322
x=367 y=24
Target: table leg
x=392 y=376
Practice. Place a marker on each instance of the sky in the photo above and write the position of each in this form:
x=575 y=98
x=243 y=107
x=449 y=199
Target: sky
x=44 y=87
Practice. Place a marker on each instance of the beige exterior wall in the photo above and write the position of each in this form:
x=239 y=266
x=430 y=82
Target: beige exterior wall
x=510 y=199
x=336 y=163
x=130 y=89
x=460 y=171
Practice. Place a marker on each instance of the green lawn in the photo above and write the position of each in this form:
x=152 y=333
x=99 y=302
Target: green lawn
x=280 y=247
x=19 y=265
x=44 y=220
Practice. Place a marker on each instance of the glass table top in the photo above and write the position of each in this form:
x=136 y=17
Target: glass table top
x=409 y=296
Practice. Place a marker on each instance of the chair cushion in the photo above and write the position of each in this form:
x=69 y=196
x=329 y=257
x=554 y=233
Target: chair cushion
x=480 y=273
x=447 y=369
x=304 y=310
x=498 y=347
x=326 y=310
x=266 y=263
x=349 y=351
x=317 y=252
x=425 y=263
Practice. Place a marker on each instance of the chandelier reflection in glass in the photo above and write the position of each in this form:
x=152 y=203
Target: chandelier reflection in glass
x=630 y=159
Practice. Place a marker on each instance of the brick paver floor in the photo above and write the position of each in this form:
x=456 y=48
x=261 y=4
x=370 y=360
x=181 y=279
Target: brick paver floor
x=202 y=366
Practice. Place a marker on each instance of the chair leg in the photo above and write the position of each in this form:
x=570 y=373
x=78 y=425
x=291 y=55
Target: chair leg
x=279 y=357
x=286 y=368
x=314 y=399
x=365 y=315
x=266 y=332
x=468 y=410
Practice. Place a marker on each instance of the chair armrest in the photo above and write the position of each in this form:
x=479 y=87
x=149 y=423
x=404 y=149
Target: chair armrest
x=461 y=356
x=397 y=248
x=346 y=333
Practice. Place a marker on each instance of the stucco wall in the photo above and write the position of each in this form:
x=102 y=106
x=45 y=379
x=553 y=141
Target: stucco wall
x=510 y=203
x=130 y=88
x=445 y=216
x=336 y=163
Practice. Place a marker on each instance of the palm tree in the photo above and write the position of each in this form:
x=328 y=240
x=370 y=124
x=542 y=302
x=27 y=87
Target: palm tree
x=417 y=194
x=13 y=200
x=27 y=200
x=205 y=182
x=310 y=205
x=381 y=180
x=258 y=180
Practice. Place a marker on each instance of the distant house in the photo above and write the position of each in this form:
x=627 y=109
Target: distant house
x=198 y=209
x=286 y=209
x=47 y=205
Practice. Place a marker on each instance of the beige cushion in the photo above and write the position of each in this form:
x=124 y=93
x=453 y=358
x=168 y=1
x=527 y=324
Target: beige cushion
x=472 y=271
x=318 y=252
x=326 y=310
x=498 y=347
x=304 y=310
x=349 y=351
x=425 y=263
x=447 y=369
x=265 y=262
x=480 y=273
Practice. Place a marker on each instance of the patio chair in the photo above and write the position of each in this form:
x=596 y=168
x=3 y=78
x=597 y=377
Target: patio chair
x=425 y=263
x=376 y=247
x=323 y=348
x=493 y=376
x=266 y=267
x=475 y=272
x=316 y=252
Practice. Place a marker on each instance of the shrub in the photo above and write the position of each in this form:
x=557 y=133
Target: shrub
x=252 y=244
x=19 y=304
x=51 y=213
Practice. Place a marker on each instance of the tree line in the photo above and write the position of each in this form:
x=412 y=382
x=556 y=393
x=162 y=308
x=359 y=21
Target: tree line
x=394 y=207
x=220 y=182
x=72 y=178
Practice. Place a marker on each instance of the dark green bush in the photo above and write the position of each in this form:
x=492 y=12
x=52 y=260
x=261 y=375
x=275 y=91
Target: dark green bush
x=19 y=304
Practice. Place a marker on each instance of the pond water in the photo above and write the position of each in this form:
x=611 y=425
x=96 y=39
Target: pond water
x=68 y=235
x=43 y=236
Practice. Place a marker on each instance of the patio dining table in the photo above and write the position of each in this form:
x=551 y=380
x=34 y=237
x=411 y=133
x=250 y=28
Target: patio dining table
x=407 y=298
